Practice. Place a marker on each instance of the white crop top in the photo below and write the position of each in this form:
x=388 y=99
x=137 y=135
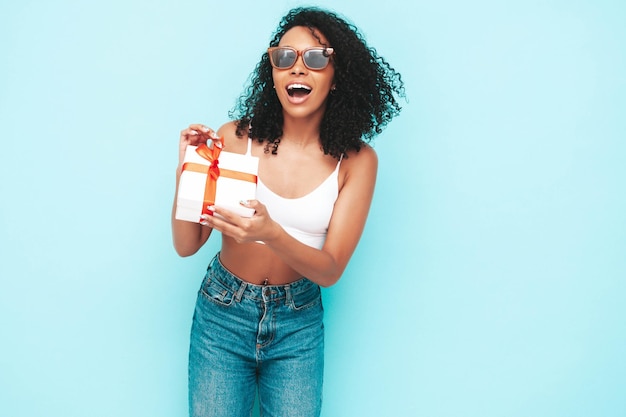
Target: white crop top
x=305 y=218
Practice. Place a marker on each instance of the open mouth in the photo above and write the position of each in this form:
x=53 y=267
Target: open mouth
x=298 y=90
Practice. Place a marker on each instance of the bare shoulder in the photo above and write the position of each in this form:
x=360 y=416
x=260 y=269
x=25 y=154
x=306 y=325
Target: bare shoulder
x=359 y=168
x=363 y=160
x=232 y=142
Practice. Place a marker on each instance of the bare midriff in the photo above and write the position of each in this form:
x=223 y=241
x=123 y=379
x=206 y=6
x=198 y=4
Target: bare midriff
x=255 y=263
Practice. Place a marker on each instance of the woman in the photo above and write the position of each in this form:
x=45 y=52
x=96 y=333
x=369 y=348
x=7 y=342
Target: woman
x=315 y=98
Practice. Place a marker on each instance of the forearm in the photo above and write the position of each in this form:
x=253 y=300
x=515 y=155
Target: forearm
x=317 y=265
x=187 y=237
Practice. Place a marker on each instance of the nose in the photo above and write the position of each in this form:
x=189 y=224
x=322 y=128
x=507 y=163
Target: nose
x=299 y=67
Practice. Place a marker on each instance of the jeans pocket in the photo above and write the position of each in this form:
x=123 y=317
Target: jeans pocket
x=309 y=298
x=213 y=290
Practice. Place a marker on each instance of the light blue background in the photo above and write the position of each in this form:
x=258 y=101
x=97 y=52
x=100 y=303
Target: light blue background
x=490 y=280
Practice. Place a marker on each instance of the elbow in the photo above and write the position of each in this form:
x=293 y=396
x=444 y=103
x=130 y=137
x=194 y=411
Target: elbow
x=331 y=274
x=184 y=254
x=184 y=251
x=328 y=283
x=186 y=245
x=329 y=280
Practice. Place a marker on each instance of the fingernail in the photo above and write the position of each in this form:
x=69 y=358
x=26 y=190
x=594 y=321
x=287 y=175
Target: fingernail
x=245 y=202
x=211 y=208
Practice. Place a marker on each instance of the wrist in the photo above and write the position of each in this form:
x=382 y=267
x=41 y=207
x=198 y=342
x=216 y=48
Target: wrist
x=274 y=233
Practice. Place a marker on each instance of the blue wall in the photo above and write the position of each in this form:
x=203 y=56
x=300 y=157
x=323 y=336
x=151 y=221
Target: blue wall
x=490 y=280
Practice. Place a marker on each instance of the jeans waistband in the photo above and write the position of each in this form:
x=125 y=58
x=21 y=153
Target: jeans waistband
x=244 y=289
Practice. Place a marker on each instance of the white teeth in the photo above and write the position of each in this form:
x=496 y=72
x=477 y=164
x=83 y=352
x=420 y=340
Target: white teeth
x=302 y=86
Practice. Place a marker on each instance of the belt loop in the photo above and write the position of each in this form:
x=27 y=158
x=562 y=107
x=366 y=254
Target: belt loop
x=288 y=296
x=240 y=291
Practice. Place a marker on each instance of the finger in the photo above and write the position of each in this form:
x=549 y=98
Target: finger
x=218 y=222
x=187 y=132
x=228 y=215
x=194 y=137
x=190 y=134
x=205 y=220
x=253 y=204
x=204 y=130
x=212 y=221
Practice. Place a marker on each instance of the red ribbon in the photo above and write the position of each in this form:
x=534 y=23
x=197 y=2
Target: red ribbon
x=213 y=172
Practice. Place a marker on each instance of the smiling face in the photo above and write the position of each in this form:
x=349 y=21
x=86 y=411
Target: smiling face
x=303 y=92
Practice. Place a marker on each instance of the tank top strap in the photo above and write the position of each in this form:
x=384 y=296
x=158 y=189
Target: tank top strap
x=339 y=163
x=249 y=150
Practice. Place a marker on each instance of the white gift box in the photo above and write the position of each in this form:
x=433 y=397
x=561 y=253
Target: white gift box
x=236 y=182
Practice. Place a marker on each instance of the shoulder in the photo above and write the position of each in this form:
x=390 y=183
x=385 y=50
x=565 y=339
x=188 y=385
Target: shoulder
x=359 y=167
x=232 y=142
x=363 y=159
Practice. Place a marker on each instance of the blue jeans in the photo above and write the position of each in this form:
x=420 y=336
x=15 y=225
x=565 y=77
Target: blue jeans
x=249 y=338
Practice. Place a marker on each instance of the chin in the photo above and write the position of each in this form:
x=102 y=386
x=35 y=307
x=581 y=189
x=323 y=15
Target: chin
x=303 y=111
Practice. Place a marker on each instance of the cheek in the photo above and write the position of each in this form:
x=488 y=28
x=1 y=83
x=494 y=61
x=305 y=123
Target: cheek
x=328 y=85
x=330 y=77
x=276 y=85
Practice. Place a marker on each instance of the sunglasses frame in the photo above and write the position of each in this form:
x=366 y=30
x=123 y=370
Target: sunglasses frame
x=327 y=51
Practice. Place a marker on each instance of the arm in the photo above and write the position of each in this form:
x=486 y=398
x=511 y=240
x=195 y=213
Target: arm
x=189 y=237
x=323 y=266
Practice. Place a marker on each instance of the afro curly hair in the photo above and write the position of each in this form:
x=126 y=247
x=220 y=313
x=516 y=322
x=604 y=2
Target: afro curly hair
x=362 y=104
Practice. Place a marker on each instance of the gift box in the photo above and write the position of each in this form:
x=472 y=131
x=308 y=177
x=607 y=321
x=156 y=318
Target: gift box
x=211 y=176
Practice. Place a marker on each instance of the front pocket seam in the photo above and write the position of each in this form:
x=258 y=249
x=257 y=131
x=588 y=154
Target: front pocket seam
x=306 y=306
x=215 y=300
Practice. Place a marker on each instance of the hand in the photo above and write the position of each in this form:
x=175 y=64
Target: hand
x=195 y=134
x=258 y=228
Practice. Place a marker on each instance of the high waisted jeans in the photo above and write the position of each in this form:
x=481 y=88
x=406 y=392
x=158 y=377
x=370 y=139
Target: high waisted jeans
x=249 y=338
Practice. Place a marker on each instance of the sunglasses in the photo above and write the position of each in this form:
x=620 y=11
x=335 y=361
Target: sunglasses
x=315 y=58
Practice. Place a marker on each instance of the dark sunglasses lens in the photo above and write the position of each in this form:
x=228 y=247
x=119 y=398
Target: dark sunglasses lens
x=284 y=58
x=316 y=58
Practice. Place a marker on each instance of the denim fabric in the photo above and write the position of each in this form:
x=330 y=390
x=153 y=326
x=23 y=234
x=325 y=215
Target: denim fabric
x=249 y=338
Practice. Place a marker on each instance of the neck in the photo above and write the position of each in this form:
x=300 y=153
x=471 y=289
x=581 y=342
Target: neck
x=301 y=132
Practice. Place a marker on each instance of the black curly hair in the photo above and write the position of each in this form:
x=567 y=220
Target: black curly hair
x=360 y=107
